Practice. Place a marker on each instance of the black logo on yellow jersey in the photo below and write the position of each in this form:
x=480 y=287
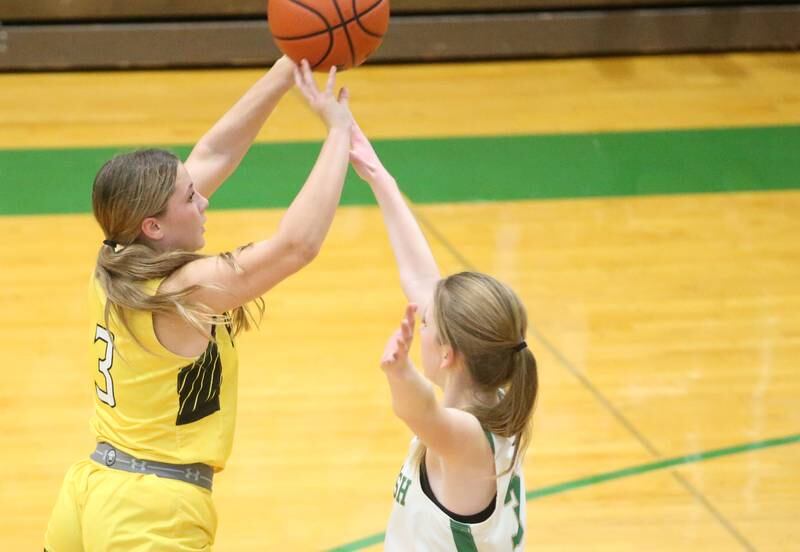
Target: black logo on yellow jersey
x=199 y=386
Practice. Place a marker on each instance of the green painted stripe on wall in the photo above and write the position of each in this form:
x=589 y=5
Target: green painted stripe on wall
x=457 y=169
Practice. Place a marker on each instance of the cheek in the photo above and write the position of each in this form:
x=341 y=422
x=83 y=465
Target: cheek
x=190 y=213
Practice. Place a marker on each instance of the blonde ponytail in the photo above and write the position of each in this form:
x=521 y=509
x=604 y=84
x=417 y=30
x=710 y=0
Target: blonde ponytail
x=510 y=417
x=484 y=321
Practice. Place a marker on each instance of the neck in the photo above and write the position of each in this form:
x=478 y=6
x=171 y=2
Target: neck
x=459 y=392
x=160 y=246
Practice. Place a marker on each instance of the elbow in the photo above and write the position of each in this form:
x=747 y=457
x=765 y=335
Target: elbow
x=398 y=410
x=307 y=251
x=302 y=251
x=298 y=245
x=403 y=413
x=414 y=410
x=205 y=149
x=400 y=406
x=415 y=416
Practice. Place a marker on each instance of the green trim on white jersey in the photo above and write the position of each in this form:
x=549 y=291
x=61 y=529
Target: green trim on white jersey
x=417 y=524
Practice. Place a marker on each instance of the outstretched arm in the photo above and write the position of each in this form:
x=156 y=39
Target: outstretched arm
x=453 y=434
x=418 y=270
x=301 y=230
x=222 y=148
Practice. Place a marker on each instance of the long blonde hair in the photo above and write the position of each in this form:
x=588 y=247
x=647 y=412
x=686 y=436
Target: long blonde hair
x=484 y=321
x=127 y=189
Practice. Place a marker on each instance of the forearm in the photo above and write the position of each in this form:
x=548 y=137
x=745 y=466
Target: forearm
x=237 y=129
x=222 y=148
x=415 y=261
x=309 y=217
x=413 y=399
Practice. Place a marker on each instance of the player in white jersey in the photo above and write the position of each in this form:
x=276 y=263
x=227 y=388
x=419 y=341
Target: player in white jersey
x=461 y=487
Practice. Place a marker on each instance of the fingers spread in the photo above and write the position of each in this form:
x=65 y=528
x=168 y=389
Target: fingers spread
x=411 y=310
x=301 y=79
x=344 y=95
x=308 y=78
x=331 y=80
x=406 y=332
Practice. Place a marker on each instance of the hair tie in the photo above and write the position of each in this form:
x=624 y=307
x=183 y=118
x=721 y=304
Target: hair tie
x=111 y=243
x=521 y=346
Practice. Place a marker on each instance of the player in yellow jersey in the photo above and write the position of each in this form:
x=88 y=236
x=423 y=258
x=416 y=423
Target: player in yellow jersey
x=461 y=487
x=163 y=318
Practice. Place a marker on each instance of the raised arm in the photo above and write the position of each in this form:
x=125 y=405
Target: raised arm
x=222 y=148
x=451 y=433
x=301 y=230
x=418 y=270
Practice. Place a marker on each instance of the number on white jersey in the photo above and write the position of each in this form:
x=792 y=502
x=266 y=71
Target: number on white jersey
x=514 y=496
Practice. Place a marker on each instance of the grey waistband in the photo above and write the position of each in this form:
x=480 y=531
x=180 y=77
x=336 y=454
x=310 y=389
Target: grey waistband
x=201 y=475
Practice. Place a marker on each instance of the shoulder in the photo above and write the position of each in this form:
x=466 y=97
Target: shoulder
x=97 y=292
x=177 y=280
x=469 y=446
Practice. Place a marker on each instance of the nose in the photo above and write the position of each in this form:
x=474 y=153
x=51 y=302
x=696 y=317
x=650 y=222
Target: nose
x=203 y=203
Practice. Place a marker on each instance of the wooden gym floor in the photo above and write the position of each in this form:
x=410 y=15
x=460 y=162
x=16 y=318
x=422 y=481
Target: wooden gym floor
x=667 y=325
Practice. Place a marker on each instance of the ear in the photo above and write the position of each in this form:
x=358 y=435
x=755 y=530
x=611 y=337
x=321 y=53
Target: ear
x=151 y=229
x=448 y=356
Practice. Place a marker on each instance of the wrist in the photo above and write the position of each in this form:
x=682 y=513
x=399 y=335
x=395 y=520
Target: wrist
x=379 y=176
x=283 y=71
x=341 y=127
x=399 y=369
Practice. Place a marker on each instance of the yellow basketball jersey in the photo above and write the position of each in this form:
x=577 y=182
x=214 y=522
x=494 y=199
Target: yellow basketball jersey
x=154 y=404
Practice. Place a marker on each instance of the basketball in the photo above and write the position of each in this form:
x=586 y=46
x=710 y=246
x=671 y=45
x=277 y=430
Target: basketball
x=328 y=32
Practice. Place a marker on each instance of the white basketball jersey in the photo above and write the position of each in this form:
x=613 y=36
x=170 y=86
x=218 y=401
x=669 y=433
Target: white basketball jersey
x=418 y=524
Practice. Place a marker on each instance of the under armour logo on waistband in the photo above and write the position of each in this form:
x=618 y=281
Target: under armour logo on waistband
x=110 y=457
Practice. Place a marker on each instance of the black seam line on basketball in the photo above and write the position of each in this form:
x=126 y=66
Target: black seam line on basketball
x=595 y=392
x=346 y=33
x=358 y=20
x=330 y=28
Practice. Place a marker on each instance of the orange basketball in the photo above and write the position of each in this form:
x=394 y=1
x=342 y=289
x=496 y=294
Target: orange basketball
x=328 y=32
